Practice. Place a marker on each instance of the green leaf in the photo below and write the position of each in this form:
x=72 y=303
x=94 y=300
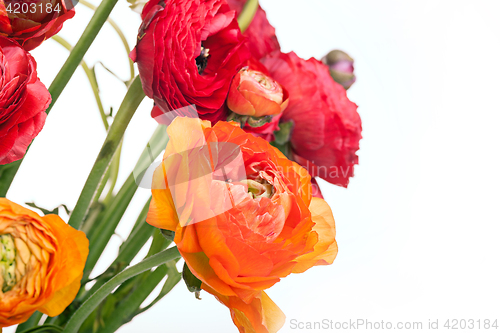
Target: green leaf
x=192 y=282
x=112 y=73
x=46 y=211
x=44 y=328
x=282 y=136
x=93 y=302
x=168 y=234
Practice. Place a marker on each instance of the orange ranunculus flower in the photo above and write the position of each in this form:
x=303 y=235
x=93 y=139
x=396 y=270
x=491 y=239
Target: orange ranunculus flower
x=253 y=93
x=243 y=215
x=41 y=263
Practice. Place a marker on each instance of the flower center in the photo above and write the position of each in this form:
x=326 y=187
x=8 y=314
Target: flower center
x=202 y=59
x=262 y=80
x=8 y=278
x=259 y=188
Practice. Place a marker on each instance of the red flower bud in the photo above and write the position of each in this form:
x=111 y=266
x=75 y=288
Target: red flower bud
x=255 y=94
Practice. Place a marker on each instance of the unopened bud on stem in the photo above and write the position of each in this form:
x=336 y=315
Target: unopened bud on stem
x=341 y=67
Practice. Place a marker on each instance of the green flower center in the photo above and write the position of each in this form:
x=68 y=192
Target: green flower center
x=259 y=188
x=8 y=277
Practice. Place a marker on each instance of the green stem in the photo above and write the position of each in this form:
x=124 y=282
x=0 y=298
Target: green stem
x=95 y=214
x=90 y=77
x=156 y=144
x=7 y=174
x=67 y=70
x=159 y=243
x=31 y=322
x=132 y=99
x=91 y=304
x=112 y=215
x=115 y=170
x=246 y=16
x=108 y=223
x=174 y=277
x=128 y=251
x=76 y=55
x=125 y=310
x=46 y=328
x=99 y=191
x=139 y=237
x=120 y=34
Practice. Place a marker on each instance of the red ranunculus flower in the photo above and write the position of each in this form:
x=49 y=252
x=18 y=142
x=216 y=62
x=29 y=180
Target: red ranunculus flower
x=188 y=51
x=30 y=22
x=23 y=100
x=261 y=34
x=327 y=126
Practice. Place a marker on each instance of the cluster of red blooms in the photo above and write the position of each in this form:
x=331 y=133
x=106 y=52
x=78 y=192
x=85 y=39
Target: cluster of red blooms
x=23 y=98
x=247 y=94
x=193 y=53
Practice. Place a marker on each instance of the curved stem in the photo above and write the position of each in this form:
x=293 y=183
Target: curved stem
x=67 y=70
x=86 y=309
x=81 y=47
x=132 y=99
x=246 y=16
x=91 y=78
x=120 y=34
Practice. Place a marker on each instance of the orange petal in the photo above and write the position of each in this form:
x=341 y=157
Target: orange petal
x=162 y=213
x=73 y=249
x=187 y=239
x=61 y=299
x=262 y=315
x=262 y=105
x=199 y=265
x=185 y=133
x=214 y=245
x=325 y=249
x=252 y=263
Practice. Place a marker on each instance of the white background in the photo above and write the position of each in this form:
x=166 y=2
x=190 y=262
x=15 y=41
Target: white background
x=418 y=227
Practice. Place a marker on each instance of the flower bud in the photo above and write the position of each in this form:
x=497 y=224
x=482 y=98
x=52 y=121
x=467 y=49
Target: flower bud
x=341 y=68
x=255 y=94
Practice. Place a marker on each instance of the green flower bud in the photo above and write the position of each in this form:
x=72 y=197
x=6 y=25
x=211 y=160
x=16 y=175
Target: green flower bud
x=341 y=67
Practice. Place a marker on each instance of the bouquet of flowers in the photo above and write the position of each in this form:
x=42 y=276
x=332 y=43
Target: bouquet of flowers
x=234 y=206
